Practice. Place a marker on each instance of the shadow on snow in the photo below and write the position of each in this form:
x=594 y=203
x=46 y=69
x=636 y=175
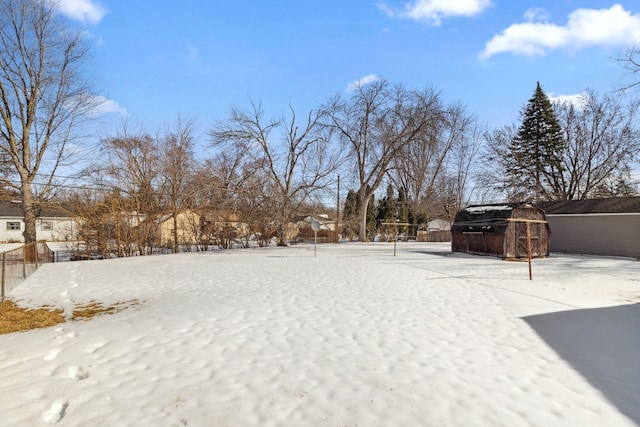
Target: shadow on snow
x=602 y=344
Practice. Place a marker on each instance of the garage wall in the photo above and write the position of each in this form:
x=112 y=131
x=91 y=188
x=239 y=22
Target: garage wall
x=596 y=234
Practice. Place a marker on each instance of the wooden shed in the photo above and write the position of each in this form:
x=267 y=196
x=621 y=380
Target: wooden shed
x=501 y=230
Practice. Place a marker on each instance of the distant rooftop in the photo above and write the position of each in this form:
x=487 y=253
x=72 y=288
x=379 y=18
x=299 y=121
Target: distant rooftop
x=14 y=209
x=591 y=206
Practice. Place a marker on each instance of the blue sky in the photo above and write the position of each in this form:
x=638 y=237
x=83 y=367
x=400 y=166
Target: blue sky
x=154 y=60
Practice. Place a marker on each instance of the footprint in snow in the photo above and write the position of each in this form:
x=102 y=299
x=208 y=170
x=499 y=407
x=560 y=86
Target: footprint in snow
x=55 y=412
x=52 y=354
x=78 y=373
x=67 y=335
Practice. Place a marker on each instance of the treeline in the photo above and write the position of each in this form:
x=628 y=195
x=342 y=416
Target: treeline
x=565 y=150
x=269 y=172
x=432 y=158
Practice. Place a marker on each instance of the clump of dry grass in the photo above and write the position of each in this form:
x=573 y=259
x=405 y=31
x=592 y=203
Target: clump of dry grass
x=95 y=308
x=14 y=318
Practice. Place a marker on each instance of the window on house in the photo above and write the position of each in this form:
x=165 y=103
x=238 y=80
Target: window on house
x=47 y=226
x=13 y=225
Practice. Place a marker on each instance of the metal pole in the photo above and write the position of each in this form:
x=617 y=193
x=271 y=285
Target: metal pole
x=338 y=212
x=529 y=247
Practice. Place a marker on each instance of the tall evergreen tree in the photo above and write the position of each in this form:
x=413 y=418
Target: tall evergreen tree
x=372 y=225
x=536 y=151
x=403 y=209
x=350 y=215
x=387 y=211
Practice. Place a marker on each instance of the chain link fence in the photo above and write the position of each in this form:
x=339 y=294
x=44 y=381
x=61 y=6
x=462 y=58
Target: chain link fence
x=18 y=264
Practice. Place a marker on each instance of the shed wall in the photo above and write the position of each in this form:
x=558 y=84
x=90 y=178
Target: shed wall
x=594 y=234
x=515 y=245
x=478 y=243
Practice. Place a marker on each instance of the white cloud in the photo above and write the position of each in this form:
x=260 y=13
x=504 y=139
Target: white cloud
x=433 y=11
x=536 y=14
x=361 y=82
x=96 y=39
x=108 y=106
x=577 y=99
x=85 y=11
x=584 y=28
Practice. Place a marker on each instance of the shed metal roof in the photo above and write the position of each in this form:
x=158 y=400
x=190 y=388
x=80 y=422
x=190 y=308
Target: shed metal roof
x=490 y=218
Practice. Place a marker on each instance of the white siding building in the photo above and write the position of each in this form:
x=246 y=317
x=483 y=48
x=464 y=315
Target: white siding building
x=51 y=224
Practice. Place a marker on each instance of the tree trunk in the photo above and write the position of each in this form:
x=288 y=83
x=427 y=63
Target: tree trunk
x=138 y=232
x=29 y=211
x=282 y=238
x=176 y=249
x=364 y=205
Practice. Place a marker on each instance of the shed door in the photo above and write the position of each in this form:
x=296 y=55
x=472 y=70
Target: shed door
x=521 y=239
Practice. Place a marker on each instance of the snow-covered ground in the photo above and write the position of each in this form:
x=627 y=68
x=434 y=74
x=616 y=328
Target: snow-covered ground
x=353 y=336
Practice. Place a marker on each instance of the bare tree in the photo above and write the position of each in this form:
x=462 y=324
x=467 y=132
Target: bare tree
x=375 y=125
x=494 y=178
x=218 y=179
x=231 y=187
x=601 y=142
x=630 y=62
x=295 y=157
x=42 y=97
x=86 y=206
x=434 y=169
x=131 y=168
x=460 y=166
x=257 y=201
x=175 y=167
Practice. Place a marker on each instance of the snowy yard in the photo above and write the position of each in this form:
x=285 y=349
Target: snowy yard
x=354 y=336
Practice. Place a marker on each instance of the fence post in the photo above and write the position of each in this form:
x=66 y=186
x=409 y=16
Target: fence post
x=24 y=262
x=3 y=270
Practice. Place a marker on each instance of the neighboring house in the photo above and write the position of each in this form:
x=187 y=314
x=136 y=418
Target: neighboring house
x=131 y=219
x=438 y=225
x=322 y=219
x=188 y=228
x=438 y=230
x=302 y=230
x=595 y=226
x=52 y=223
x=225 y=222
x=500 y=230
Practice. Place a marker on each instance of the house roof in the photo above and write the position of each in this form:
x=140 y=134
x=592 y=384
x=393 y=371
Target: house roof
x=592 y=206
x=168 y=216
x=14 y=209
x=220 y=216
